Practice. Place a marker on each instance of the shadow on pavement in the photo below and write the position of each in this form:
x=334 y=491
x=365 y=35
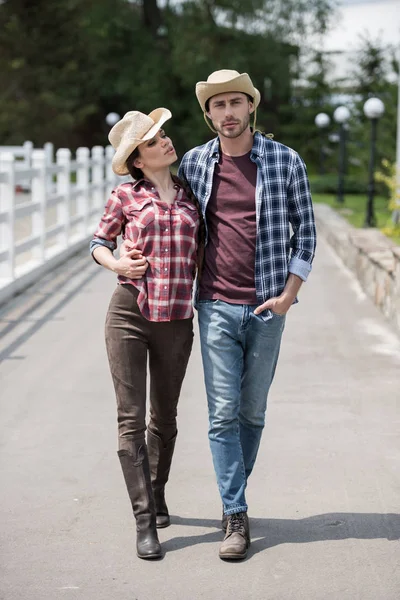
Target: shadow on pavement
x=56 y=281
x=267 y=533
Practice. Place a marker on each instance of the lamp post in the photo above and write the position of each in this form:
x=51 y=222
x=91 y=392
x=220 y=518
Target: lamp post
x=112 y=118
x=373 y=110
x=322 y=121
x=341 y=116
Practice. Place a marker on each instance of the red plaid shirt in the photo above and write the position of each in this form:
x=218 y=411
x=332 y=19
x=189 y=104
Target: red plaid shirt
x=166 y=235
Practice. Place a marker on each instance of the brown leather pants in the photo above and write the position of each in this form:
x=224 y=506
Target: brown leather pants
x=131 y=340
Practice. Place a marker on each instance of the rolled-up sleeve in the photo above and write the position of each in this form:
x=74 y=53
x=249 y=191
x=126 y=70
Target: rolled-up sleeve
x=110 y=225
x=301 y=216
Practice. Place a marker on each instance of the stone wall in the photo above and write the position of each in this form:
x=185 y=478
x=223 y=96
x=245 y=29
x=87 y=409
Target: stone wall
x=372 y=257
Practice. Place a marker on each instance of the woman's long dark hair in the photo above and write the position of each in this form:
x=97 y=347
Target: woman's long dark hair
x=201 y=237
x=134 y=172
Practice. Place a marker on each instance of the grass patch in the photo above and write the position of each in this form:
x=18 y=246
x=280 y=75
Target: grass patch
x=354 y=209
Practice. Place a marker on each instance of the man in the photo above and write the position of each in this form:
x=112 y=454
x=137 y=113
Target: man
x=251 y=191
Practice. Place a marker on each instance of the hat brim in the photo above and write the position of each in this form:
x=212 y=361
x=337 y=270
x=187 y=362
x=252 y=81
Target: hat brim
x=242 y=83
x=159 y=116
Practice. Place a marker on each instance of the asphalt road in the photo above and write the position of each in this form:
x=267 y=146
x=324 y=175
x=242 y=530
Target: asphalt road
x=324 y=496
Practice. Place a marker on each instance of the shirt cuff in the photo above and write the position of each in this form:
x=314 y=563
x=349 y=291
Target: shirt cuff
x=98 y=243
x=299 y=267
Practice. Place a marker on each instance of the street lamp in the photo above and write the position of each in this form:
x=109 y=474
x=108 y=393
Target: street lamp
x=322 y=121
x=112 y=118
x=341 y=116
x=373 y=110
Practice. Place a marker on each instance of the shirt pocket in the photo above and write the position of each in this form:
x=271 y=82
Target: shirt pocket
x=141 y=215
x=187 y=214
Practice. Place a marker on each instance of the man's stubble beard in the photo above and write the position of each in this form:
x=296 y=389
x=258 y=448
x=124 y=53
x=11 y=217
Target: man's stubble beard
x=234 y=134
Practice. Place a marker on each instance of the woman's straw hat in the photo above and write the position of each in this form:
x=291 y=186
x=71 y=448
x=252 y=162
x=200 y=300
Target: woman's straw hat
x=133 y=129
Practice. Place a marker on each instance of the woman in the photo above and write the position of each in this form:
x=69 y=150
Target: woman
x=150 y=313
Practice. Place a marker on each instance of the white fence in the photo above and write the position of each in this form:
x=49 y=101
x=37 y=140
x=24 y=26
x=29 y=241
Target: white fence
x=42 y=228
x=24 y=152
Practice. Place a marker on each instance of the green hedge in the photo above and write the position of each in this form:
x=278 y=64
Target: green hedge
x=328 y=184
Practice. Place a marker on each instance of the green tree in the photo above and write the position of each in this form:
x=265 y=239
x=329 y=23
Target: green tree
x=310 y=94
x=68 y=63
x=44 y=66
x=257 y=36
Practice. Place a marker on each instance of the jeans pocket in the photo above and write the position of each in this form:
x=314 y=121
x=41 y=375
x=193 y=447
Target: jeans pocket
x=274 y=314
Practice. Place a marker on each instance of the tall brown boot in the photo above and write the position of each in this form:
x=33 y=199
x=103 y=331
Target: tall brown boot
x=160 y=458
x=135 y=468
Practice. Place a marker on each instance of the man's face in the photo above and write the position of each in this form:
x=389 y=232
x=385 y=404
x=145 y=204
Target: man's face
x=230 y=113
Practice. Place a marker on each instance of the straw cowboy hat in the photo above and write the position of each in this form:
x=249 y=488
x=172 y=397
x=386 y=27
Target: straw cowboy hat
x=224 y=81
x=133 y=129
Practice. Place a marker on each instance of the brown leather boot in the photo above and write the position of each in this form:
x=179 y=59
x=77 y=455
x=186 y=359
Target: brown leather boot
x=135 y=467
x=160 y=457
x=237 y=538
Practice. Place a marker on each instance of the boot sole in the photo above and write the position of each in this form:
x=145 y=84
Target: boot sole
x=149 y=556
x=166 y=521
x=236 y=556
x=233 y=556
x=163 y=526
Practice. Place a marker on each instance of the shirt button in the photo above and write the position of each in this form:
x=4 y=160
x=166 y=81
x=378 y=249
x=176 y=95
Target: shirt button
x=166 y=229
x=166 y=269
x=166 y=249
x=165 y=287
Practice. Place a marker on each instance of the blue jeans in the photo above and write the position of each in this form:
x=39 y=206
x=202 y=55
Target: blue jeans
x=240 y=351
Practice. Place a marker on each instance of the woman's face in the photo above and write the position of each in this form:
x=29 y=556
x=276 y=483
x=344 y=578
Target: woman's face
x=156 y=153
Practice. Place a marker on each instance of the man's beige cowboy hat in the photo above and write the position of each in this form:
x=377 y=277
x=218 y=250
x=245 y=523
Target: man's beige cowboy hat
x=226 y=80
x=133 y=129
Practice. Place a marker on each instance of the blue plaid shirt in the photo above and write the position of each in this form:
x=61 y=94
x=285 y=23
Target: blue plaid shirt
x=283 y=199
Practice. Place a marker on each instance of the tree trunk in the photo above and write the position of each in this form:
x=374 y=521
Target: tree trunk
x=151 y=15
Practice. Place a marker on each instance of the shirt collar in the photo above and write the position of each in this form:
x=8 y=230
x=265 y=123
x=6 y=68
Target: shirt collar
x=137 y=182
x=258 y=144
x=256 y=150
x=146 y=182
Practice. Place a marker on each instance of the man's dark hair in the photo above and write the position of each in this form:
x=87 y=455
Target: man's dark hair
x=207 y=104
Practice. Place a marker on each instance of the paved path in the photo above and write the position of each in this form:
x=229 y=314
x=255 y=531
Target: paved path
x=324 y=497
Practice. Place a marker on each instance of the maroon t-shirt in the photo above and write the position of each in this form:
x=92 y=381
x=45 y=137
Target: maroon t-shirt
x=231 y=221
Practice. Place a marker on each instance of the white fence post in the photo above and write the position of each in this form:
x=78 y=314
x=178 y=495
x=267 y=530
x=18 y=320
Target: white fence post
x=82 y=182
x=25 y=163
x=98 y=177
x=110 y=175
x=39 y=198
x=64 y=190
x=7 y=220
x=28 y=150
x=49 y=152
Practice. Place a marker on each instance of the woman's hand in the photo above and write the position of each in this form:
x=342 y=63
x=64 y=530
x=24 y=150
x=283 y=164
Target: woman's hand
x=126 y=247
x=131 y=264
